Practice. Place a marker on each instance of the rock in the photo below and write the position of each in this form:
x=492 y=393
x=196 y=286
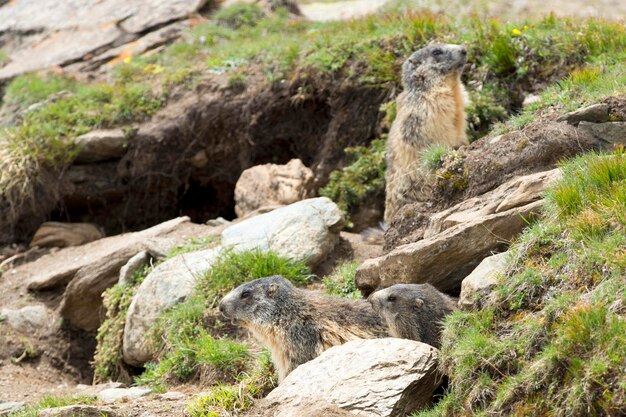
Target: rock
x=270 y=184
x=307 y=230
x=10 y=407
x=133 y=265
x=115 y=394
x=167 y=285
x=56 y=234
x=90 y=269
x=517 y=192
x=172 y=396
x=30 y=319
x=477 y=285
x=93 y=390
x=531 y=99
x=100 y=145
x=343 y=10
x=79 y=410
x=611 y=132
x=596 y=113
x=444 y=259
x=376 y=377
x=53 y=33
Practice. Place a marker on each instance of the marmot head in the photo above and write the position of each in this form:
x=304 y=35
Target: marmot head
x=396 y=300
x=428 y=65
x=257 y=302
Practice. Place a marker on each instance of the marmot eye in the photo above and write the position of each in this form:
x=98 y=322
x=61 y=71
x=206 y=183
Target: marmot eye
x=391 y=298
x=437 y=52
x=245 y=294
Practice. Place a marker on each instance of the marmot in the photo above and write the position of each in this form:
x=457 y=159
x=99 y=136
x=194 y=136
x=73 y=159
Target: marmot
x=298 y=325
x=430 y=110
x=413 y=311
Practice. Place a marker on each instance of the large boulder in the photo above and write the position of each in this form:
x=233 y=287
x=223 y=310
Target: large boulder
x=57 y=234
x=271 y=185
x=458 y=239
x=307 y=230
x=167 y=285
x=477 y=285
x=88 y=270
x=372 y=378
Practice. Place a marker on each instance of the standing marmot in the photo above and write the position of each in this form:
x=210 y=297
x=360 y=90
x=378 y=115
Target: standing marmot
x=298 y=325
x=430 y=110
x=413 y=311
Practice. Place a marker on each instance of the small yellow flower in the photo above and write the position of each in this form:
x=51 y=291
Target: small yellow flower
x=516 y=32
x=127 y=60
x=154 y=69
x=525 y=27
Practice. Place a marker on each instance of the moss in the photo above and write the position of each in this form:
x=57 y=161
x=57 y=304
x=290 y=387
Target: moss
x=551 y=340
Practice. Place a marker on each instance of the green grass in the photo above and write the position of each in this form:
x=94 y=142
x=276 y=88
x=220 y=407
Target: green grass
x=108 y=363
x=363 y=179
x=433 y=156
x=552 y=340
x=341 y=282
x=190 y=338
x=239 y=15
x=53 y=402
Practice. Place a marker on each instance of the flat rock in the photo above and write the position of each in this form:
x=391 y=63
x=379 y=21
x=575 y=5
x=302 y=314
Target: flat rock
x=29 y=319
x=167 y=285
x=115 y=394
x=307 y=230
x=172 y=396
x=612 y=132
x=377 y=377
x=61 y=235
x=444 y=259
x=270 y=184
x=477 y=285
x=79 y=410
x=100 y=145
x=596 y=113
x=9 y=407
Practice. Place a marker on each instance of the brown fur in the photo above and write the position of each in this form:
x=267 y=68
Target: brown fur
x=413 y=311
x=430 y=110
x=297 y=325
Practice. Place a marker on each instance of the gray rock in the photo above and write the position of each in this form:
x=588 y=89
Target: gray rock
x=79 y=410
x=376 y=377
x=307 y=230
x=167 y=285
x=30 y=319
x=133 y=265
x=596 y=113
x=100 y=145
x=9 y=407
x=172 y=396
x=477 y=285
x=612 y=132
x=61 y=235
x=115 y=394
x=444 y=259
x=271 y=185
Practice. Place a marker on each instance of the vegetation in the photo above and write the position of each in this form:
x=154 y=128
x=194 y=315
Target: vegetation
x=108 y=363
x=363 y=179
x=552 y=341
x=433 y=156
x=52 y=402
x=341 y=282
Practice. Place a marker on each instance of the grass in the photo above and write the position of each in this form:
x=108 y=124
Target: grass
x=433 y=156
x=341 y=282
x=552 y=341
x=53 y=402
x=189 y=336
x=363 y=179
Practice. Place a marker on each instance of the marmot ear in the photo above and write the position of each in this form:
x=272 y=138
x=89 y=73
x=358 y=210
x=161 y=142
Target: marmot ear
x=419 y=303
x=272 y=290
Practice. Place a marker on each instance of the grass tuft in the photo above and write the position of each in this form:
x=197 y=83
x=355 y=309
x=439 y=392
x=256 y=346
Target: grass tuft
x=341 y=282
x=53 y=402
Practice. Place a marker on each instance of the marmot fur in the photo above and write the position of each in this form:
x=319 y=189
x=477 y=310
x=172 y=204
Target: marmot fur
x=298 y=325
x=430 y=110
x=413 y=311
